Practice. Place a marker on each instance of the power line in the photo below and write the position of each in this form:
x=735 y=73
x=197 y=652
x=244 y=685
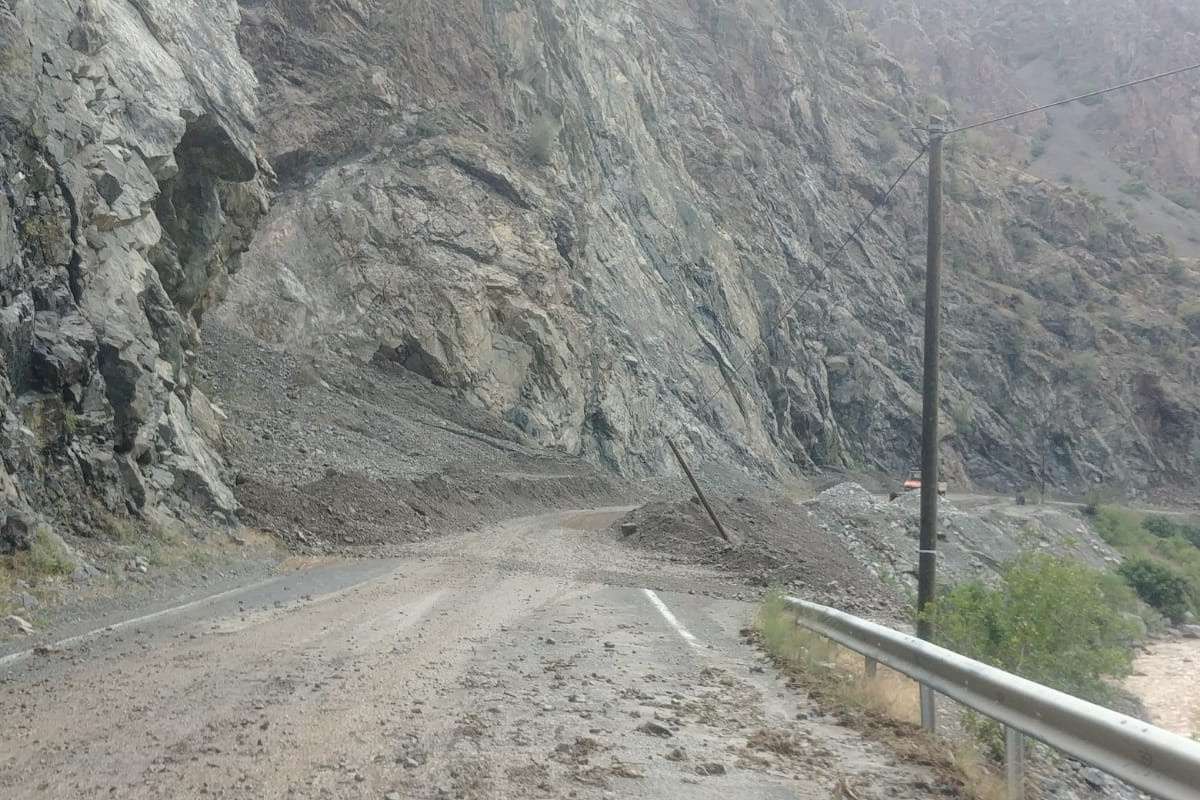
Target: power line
x=1097 y=93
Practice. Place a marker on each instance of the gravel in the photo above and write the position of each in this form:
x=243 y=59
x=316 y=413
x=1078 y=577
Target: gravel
x=339 y=454
x=775 y=545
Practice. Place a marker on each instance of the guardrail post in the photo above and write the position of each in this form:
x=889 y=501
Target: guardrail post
x=871 y=666
x=1014 y=763
x=928 y=709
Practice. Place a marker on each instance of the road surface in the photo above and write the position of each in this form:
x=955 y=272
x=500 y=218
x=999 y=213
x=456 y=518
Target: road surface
x=537 y=659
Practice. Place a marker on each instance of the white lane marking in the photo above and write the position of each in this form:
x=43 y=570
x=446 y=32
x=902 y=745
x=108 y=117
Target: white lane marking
x=8 y=659
x=399 y=617
x=670 y=618
x=251 y=619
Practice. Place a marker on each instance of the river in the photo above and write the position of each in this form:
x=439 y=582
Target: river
x=1167 y=680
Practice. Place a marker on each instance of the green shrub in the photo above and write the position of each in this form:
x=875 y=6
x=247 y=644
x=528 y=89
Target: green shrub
x=1159 y=526
x=1191 y=533
x=1117 y=526
x=889 y=141
x=1084 y=367
x=1159 y=586
x=1173 y=356
x=1024 y=243
x=963 y=414
x=1138 y=188
x=1189 y=313
x=1052 y=620
x=1166 y=528
x=1095 y=499
x=1184 y=199
x=48 y=556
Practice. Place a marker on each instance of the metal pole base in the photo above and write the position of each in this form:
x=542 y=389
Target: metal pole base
x=928 y=709
x=1014 y=764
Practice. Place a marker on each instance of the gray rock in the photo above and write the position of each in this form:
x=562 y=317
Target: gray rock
x=655 y=729
x=1095 y=778
x=16 y=531
x=133 y=185
x=1190 y=631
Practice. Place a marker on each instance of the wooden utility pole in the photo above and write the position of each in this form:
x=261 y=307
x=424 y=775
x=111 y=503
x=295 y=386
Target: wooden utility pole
x=699 y=494
x=927 y=554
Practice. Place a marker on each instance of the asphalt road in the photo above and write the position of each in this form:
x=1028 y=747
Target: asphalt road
x=537 y=659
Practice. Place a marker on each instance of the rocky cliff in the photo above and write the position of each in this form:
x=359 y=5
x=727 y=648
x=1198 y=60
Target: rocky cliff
x=584 y=215
x=588 y=216
x=131 y=186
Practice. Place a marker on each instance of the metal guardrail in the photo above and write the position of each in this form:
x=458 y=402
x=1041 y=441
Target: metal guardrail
x=1154 y=760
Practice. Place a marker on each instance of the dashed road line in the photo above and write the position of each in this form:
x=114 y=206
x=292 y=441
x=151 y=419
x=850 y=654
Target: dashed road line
x=116 y=626
x=683 y=632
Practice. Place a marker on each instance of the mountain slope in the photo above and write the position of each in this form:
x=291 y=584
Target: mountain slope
x=1138 y=148
x=589 y=218
x=584 y=216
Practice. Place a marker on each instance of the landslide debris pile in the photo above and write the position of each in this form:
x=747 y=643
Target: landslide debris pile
x=972 y=542
x=341 y=454
x=774 y=545
x=850 y=546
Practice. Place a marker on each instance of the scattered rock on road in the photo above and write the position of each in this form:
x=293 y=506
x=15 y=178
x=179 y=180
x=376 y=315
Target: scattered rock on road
x=19 y=625
x=652 y=728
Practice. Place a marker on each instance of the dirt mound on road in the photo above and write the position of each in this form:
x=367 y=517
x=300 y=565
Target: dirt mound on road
x=775 y=545
x=354 y=510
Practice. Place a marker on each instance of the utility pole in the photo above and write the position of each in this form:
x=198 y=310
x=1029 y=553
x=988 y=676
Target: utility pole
x=927 y=554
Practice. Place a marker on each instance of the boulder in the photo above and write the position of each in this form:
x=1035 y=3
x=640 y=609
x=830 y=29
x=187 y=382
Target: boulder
x=16 y=531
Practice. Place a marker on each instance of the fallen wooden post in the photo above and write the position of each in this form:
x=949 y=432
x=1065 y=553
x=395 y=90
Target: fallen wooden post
x=703 y=500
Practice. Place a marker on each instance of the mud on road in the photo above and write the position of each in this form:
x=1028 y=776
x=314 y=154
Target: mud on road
x=538 y=658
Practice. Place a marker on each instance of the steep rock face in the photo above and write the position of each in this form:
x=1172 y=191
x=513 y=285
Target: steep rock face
x=131 y=180
x=590 y=218
x=978 y=54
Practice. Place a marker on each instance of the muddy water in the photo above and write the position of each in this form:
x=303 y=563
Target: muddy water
x=1167 y=679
